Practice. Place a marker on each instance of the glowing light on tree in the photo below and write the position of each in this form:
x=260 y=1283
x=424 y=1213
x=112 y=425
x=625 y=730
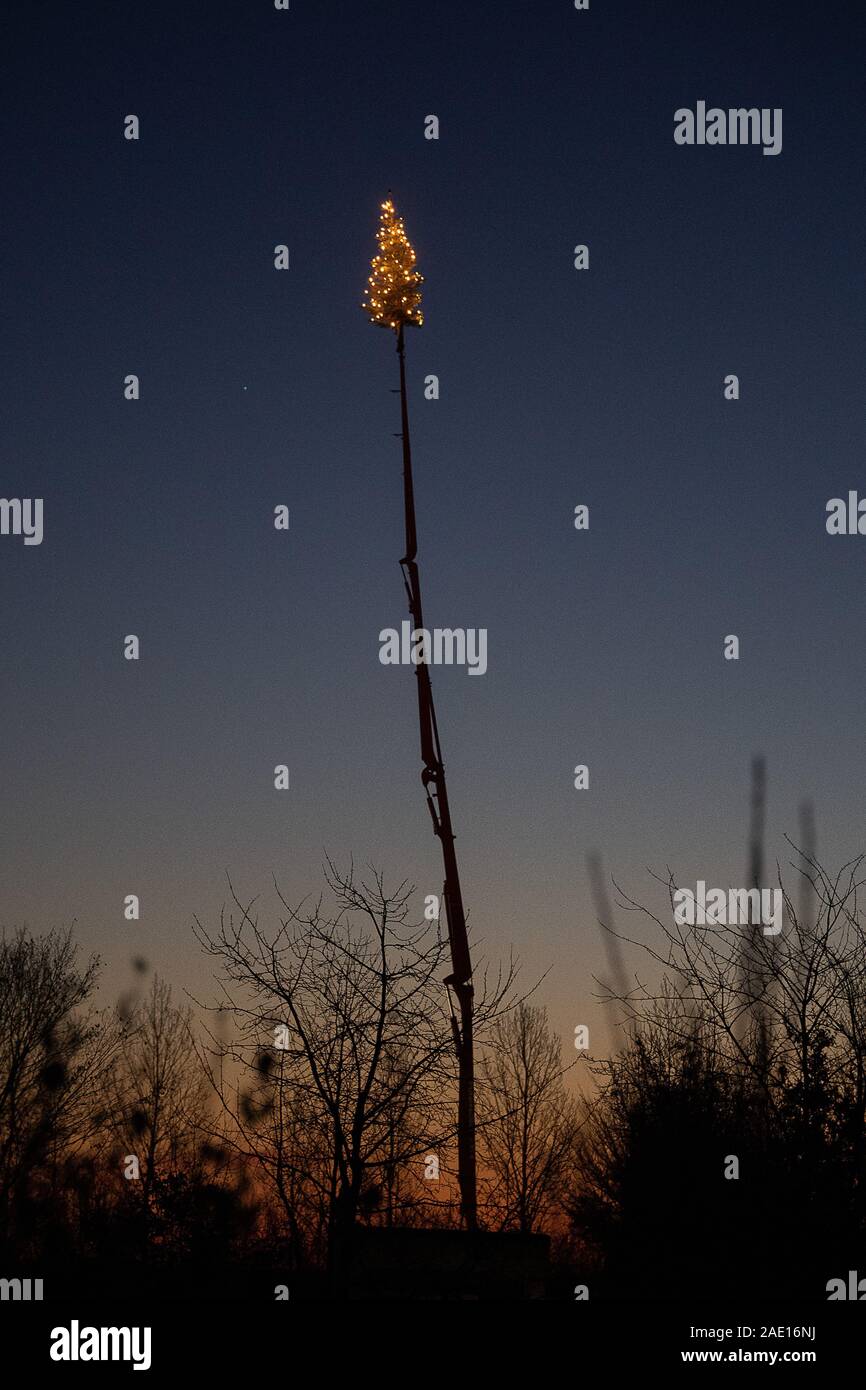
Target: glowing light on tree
x=393 y=294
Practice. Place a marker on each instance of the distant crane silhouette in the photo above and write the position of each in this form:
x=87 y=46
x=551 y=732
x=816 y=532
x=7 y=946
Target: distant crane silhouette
x=615 y=963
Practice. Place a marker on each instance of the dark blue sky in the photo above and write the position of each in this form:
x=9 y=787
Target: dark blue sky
x=557 y=387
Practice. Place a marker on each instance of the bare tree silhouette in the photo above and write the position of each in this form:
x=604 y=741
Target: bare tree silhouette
x=527 y=1121
x=347 y=1005
x=159 y=1093
x=56 y=1056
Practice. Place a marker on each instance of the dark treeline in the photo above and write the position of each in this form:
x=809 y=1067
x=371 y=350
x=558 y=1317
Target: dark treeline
x=226 y=1149
x=725 y=1154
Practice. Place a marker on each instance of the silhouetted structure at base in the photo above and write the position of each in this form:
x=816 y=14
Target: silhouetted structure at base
x=403 y=1263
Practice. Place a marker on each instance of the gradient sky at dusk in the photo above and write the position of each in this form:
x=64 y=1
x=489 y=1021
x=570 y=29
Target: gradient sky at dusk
x=557 y=387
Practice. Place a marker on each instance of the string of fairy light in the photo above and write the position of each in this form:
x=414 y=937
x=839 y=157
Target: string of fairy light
x=393 y=294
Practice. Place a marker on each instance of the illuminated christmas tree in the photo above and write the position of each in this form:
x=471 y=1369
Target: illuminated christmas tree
x=393 y=294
